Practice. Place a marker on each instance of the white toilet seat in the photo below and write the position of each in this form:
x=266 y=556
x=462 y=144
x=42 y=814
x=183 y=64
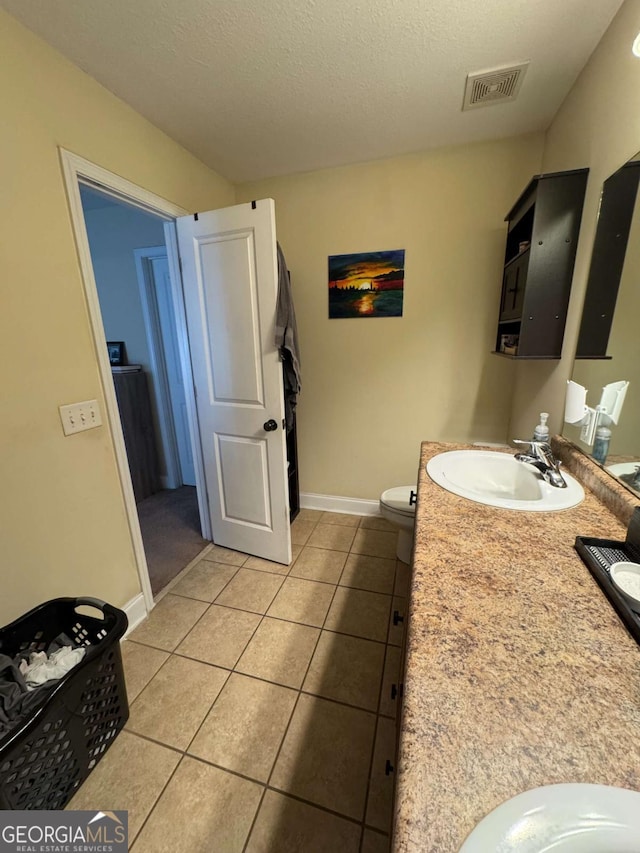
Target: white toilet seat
x=396 y=508
x=396 y=503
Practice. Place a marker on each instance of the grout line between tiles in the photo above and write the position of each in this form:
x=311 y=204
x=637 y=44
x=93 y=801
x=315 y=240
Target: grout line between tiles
x=321 y=629
x=338 y=702
x=244 y=610
x=132 y=703
x=206 y=550
x=185 y=752
x=246 y=645
x=376 y=830
x=370 y=773
x=243 y=776
x=230 y=671
x=158 y=798
x=172 y=651
x=291 y=716
x=311 y=580
x=206 y=600
x=299 y=691
x=264 y=680
x=312 y=804
x=169 y=589
x=253 y=613
x=204 y=663
x=269 y=616
x=378 y=716
x=183 y=571
x=222 y=562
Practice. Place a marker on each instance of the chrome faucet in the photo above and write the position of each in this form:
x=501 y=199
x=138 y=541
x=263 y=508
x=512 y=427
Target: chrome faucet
x=632 y=479
x=540 y=455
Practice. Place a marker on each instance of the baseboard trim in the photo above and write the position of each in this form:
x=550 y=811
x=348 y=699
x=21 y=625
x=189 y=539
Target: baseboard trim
x=136 y=611
x=335 y=503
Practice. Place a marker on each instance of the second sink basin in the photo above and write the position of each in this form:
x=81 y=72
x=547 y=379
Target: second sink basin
x=569 y=818
x=499 y=480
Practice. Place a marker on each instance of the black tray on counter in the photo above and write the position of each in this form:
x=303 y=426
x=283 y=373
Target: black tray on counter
x=599 y=555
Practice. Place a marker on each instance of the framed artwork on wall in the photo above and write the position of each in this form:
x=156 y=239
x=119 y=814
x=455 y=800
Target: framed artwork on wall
x=366 y=284
x=116 y=353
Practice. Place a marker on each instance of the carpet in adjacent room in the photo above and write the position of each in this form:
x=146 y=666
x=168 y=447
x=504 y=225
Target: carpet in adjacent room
x=170 y=525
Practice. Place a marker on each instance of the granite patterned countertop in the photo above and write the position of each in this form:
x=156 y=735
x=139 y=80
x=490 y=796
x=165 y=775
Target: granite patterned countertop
x=519 y=673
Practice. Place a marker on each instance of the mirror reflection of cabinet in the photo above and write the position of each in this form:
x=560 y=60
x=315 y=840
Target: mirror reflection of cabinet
x=609 y=343
x=607 y=261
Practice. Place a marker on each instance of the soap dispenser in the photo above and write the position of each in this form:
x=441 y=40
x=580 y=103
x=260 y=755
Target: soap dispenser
x=541 y=432
x=601 y=444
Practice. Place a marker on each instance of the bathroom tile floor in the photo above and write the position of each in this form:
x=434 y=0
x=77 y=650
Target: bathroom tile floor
x=261 y=701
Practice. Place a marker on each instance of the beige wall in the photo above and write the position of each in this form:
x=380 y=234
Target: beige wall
x=374 y=388
x=597 y=126
x=64 y=530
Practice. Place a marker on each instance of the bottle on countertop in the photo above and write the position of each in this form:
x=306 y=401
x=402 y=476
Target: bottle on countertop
x=601 y=444
x=541 y=432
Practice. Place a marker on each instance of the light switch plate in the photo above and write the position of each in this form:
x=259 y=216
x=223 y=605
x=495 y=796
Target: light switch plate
x=77 y=417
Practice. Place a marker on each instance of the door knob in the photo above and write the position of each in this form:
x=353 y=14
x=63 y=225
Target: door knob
x=270 y=425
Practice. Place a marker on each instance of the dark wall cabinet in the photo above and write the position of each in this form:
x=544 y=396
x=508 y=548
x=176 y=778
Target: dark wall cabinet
x=542 y=236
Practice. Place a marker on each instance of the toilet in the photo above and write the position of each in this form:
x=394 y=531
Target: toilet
x=396 y=507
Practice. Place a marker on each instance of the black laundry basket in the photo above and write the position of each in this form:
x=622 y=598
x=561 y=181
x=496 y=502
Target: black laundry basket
x=47 y=756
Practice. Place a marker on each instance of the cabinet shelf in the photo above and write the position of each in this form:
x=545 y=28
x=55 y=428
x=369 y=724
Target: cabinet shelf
x=525 y=357
x=516 y=257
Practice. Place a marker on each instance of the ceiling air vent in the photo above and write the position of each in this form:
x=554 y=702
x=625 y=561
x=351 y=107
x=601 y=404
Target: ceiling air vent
x=494 y=86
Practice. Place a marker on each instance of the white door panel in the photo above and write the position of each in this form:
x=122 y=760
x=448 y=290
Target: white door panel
x=231 y=326
x=241 y=461
x=229 y=269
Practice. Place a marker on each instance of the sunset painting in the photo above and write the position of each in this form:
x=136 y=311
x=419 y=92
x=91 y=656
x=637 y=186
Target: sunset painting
x=369 y=284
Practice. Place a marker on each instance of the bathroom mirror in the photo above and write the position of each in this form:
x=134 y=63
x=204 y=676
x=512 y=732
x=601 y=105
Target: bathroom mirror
x=609 y=340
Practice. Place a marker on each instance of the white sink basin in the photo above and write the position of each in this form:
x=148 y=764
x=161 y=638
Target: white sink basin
x=499 y=480
x=563 y=819
x=622 y=468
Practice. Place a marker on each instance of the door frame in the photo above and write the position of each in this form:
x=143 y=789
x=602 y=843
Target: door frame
x=157 y=359
x=77 y=170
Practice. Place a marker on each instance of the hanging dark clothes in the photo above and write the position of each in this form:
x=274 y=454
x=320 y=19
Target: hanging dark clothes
x=287 y=340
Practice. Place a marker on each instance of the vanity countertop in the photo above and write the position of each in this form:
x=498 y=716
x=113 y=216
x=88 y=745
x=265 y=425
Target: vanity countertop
x=519 y=673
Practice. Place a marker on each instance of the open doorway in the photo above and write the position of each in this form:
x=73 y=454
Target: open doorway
x=231 y=369
x=131 y=271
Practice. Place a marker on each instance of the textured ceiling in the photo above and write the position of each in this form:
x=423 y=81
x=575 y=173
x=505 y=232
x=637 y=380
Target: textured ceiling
x=256 y=88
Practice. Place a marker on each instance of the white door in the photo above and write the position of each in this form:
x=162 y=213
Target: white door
x=166 y=319
x=229 y=271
